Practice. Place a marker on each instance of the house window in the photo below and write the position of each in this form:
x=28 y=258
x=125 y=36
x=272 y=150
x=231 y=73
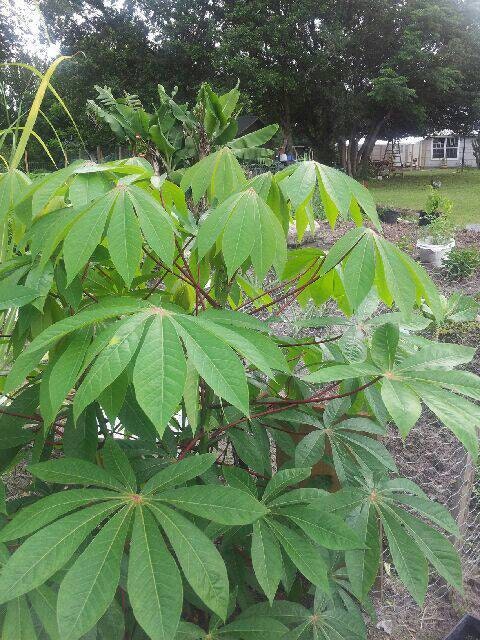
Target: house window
x=445 y=148
x=451 y=148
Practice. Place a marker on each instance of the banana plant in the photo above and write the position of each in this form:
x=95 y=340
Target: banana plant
x=176 y=437
x=175 y=136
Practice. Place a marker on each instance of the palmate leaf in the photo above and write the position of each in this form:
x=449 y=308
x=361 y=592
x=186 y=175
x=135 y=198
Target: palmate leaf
x=199 y=559
x=160 y=372
x=404 y=532
x=154 y=583
x=48 y=550
x=244 y=226
x=405 y=383
x=75 y=471
x=179 y=473
x=219 y=174
x=107 y=308
x=362 y=564
x=43 y=512
x=124 y=238
x=18 y=623
x=302 y=553
x=90 y=584
x=266 y=559
x=225 y=505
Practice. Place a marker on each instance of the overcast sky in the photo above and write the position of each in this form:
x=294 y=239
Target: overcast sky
x=28 y=20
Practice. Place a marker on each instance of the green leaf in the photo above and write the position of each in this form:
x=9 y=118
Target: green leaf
x=74 y=471
x=384 y=346
x=283 y=479
x=300 y=185
x=440 y=355
x=156 y=225
x=397 y=275
x=343 y=372
x=457 y=414
x=111 y=362
x=85 y=234
x=64 y=372
x=310 y=449
x=42 y=512
x=215 y=362
x=266 y=559
x=434 y=546
x=323 y=528
x=434 y=511
x=18 y=623
x=191 y=396
x=225 y=505
x=99 y=312
x=362 y=564
x=160 y=372
x=44 y=603
x=464 y=382
x=303 y=554
x=340 y=249
x=91 y=582
x=359 y=271
x=116 y=463
x=87 y=187
x=15 y=295
x=402 y=404
x=255 y=138
x=48 y=550
x=259 y=349
x=240 y=231
x=124 y=239
x=407 y=557
x=201 y=563
x=154 y=584
x=179 y=473
x=252 y=628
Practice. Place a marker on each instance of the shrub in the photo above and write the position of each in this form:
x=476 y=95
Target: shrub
x=462 y=263
x=145 y=347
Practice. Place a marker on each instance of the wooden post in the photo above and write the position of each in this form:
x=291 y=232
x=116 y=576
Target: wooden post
x=25 y=158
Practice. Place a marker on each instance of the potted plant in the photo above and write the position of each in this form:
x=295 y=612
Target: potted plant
x=436 y=240
x=435 y=205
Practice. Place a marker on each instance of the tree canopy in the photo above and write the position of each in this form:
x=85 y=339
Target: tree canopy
x=330 y=73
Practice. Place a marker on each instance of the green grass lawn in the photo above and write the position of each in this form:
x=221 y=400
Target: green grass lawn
x=410 y=190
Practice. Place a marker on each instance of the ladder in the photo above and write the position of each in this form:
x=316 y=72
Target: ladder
x=393 y=154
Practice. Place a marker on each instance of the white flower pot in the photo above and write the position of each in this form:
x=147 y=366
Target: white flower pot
x=433 y=254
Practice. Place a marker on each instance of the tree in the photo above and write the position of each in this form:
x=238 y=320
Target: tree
x=142 y=346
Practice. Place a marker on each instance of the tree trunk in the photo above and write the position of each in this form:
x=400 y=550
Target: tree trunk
x=369 y=144
x=286 y=123
x=342 y=153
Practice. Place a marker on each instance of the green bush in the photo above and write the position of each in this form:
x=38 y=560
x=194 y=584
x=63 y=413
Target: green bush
x=144 y=345
x=462 y=263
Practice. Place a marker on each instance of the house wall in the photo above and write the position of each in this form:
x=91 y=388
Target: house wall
x=427 y=161
x=420 y=154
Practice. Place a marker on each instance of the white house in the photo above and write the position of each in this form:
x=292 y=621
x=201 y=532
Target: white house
x=443 y=150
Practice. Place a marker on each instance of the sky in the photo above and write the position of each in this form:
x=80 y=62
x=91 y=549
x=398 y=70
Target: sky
x=28 y=19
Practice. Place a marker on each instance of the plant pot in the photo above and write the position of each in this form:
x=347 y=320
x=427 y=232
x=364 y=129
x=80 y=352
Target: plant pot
x=433 y=254
x=467 y=629
x=389 y=216
x=425 y=218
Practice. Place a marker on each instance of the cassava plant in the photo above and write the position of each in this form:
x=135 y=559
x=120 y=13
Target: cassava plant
x=179 y=440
